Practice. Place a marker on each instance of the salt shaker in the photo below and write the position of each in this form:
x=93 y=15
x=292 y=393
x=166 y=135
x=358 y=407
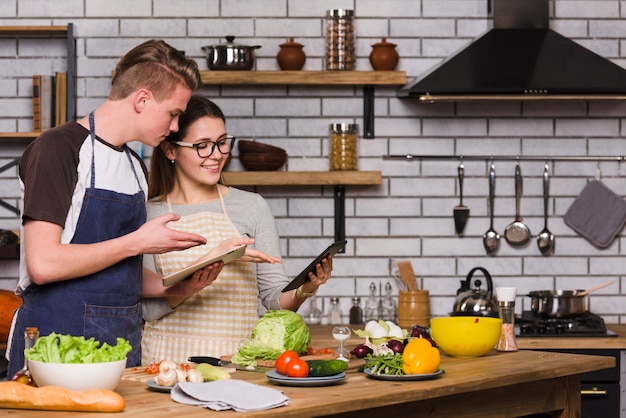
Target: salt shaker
x=388 y=305
x=371 y=305
x=506 y=306
x=334 y=313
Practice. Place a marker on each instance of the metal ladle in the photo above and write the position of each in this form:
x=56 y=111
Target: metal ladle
x=545 y=239
x=491 y=238
x=517 y=233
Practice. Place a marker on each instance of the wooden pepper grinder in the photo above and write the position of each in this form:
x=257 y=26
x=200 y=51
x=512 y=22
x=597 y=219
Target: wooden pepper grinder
x=291 y=57
x=384 y=56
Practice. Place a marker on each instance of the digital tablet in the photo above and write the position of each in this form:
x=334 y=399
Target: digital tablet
x=302 y=278
x=188 y=271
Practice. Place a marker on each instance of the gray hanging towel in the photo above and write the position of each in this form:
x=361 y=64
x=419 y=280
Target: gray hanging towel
x=598 y=214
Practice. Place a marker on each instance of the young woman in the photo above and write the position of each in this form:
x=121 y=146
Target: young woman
x=185 y=179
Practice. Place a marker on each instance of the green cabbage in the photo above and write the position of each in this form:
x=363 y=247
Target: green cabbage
x=275 y=332
x=57 y=348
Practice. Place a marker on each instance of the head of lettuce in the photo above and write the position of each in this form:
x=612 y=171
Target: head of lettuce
x=273 y=333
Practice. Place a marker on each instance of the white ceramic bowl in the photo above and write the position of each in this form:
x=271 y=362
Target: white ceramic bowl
x=78 y=376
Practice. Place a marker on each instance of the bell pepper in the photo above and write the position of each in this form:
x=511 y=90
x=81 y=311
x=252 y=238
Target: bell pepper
x=420 y=357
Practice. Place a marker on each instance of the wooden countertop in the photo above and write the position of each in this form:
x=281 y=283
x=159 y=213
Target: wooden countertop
x=498 y=384
x=494 y=385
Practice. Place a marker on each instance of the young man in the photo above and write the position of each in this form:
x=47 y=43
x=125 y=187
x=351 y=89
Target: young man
x=84 y=219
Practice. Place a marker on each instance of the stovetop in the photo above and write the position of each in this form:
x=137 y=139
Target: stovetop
x=586 y=324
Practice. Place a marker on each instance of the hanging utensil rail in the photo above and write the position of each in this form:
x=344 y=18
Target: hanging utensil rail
x=410 y=157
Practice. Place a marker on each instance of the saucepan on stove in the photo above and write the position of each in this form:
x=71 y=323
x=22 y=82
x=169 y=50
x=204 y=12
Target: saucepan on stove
x=558 y=303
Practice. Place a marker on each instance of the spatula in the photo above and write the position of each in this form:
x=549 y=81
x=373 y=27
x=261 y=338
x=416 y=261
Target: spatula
x=461 y=212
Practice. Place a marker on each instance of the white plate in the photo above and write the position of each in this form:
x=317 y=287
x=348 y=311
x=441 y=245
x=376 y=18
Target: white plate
x=158 y=388
x=425 y=376
x=275 y=377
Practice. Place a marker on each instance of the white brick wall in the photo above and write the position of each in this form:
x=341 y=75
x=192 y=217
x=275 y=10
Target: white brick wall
x=410 y=215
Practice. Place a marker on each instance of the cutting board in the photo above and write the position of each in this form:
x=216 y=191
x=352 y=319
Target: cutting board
x=139 y=374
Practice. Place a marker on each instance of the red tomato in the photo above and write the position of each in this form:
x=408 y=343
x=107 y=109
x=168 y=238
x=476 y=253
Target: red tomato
x=284 y=359
x=297 y=368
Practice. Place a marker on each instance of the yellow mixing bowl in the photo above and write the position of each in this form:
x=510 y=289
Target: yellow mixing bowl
x=465 y=336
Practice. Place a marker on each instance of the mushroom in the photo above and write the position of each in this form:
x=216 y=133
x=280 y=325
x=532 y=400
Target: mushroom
x=181 y=375
x=167 y=365
x=194 y=376
x=168 y=377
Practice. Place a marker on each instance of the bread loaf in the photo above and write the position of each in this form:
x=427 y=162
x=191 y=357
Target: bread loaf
x=20 y=396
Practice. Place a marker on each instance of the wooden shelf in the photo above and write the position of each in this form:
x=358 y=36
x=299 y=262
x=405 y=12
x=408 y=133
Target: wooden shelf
x=338 y=179
x=367 y=79
x=301 y=178
x=66 y=32
x=34 y=31
x=18 y=136
x=370 y=78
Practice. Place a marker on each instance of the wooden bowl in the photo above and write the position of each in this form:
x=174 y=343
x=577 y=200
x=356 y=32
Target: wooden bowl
x=256 y=156
x=258 y=147
x=258 y=161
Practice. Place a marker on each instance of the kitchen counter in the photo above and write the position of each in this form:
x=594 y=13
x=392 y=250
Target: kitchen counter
x=498 y=384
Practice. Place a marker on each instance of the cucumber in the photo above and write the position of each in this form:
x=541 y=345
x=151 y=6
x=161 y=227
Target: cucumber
x=318 y=368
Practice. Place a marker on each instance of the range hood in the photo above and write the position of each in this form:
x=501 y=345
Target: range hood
x=521 y=58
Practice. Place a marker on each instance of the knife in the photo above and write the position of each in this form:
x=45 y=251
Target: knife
x=222 y=363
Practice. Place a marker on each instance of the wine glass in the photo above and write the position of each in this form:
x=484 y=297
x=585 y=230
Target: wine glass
x=341 y=334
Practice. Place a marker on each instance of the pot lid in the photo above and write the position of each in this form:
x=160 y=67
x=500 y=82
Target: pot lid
x=291 y=43
x=383 y=43
x=230 y=43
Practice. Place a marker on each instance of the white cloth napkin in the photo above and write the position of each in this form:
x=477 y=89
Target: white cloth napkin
x=234 y=394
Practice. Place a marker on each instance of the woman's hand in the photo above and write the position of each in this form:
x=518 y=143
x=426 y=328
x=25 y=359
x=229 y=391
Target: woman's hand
x=256 y=256
x=250 y=256
x=321 y=275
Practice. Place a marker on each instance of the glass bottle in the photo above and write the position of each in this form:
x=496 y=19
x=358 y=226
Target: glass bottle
x=313 y=315
x=340 y=40
x=31 y=335
x=371 y=305
x=506 y=308
x=356 y=313
x=334 y=313
x=388 y=305
x=343 y=145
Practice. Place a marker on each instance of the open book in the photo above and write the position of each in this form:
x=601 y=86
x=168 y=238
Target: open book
x=226 y=257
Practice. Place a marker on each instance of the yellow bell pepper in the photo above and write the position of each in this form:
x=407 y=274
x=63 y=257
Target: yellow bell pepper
x=420 y=357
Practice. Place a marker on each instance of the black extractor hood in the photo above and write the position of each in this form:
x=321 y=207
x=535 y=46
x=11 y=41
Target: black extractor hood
x=521 y=58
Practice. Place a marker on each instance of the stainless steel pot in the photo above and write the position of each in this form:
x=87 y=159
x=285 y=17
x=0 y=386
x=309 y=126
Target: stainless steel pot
x=230 y=56
x=557 y=303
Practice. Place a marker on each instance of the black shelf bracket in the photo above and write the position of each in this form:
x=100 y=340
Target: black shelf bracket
x=368 y=112
x=340 y=214
x=2 y=202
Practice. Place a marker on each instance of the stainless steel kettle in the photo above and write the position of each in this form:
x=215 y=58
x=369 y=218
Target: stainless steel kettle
x=476 y=301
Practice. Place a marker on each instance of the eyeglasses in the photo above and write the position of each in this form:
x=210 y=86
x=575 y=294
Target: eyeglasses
x=205 y=148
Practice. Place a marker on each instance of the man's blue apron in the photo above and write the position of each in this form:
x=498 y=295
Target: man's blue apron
x=104 y=305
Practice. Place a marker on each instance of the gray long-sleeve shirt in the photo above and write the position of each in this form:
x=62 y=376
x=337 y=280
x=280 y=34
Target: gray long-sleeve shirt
x=252 y=217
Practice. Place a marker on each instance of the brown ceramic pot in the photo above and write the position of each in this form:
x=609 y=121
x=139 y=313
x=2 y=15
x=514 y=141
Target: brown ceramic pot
x=384 y=56
x=291 y=57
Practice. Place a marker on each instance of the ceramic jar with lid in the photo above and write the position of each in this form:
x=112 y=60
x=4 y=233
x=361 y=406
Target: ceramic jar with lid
x=384 y=56
x=291 y=56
